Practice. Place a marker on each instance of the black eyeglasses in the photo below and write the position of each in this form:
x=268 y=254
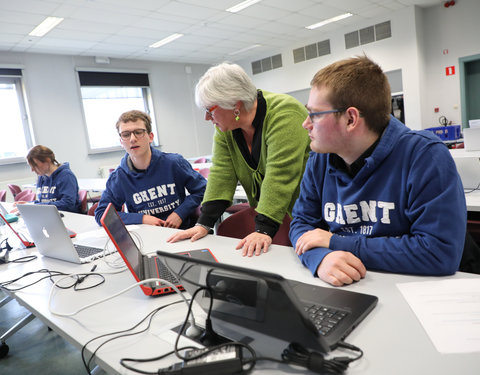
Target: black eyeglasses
x=316 y=116
x=139 y=133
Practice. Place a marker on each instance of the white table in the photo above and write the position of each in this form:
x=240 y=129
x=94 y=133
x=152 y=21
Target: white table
x=90 y=184
x=473 y=200
x=240 y=195
x=392 y=338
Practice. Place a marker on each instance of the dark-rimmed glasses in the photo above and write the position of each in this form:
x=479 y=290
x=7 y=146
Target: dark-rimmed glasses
x=138 y=133
x=316 y=116
x=209 y=111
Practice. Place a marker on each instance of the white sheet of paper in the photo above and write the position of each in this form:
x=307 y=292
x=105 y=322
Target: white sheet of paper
x=449 y=311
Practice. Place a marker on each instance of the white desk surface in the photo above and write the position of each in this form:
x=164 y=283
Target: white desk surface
x=391 y=336
x=90 y=184
x=473 y=200
x=198 y=166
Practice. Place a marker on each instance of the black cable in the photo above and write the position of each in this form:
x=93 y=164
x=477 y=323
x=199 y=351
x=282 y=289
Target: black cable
x=25 y=259
x=297 y=354
x=79 y=279
x=144 y=360
x=151 y=315
x=472 y=190
x=4 y=258
x=251 y=361
x=50 y=275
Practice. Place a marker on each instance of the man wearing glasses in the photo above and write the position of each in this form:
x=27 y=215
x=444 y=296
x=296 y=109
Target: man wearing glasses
x=149 y=182
x=375 y=194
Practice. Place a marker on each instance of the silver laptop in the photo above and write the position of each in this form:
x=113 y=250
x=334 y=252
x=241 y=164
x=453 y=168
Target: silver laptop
x=51 y=237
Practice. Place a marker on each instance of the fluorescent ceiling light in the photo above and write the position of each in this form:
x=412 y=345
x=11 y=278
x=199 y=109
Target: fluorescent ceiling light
x=330 y=20
x=244 y=49
x=242 y=5
x=48 y=24
x=166 y=40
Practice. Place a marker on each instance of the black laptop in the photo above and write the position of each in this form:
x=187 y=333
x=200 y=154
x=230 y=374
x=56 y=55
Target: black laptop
x=263 y=302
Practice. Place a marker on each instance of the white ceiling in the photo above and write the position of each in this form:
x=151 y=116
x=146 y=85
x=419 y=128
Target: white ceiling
x=125 y=28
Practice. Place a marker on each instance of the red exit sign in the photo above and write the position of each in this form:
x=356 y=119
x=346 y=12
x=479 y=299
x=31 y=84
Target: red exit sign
x=450 y=70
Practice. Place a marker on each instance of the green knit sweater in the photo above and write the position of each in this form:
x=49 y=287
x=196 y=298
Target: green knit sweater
x=284 y=153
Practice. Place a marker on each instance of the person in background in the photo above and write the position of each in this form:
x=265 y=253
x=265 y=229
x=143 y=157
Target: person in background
x=56 y=183
x=259 y=142
x=149 y=182
x=375 y=194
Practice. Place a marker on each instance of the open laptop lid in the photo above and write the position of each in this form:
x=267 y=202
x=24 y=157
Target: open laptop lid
x=125 y=244
x=19 y=238
x=48 y=231
x=133 y=257
x=266 y=303
x=11 y=218
x=258 y=301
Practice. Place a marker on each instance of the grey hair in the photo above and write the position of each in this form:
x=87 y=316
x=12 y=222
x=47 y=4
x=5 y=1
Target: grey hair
x=224 y=85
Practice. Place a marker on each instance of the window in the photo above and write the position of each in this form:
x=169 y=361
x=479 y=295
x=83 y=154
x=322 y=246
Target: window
x=15 y=146
x=105 y=96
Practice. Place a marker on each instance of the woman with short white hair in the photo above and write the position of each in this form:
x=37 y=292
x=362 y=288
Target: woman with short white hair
x=259 y=141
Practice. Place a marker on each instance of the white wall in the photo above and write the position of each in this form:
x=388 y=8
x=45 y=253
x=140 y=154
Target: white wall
x=398 y=52
x=57 y=118
x=419 y=36
x=456 y=29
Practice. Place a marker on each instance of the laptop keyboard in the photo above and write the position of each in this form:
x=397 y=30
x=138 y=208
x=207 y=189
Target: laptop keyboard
x=165 y=274
x=87 y=251
x=324 y=318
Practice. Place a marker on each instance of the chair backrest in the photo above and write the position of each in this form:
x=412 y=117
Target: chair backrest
x=26 y=195
x=91 y=210
x=14 y=189
x=237 y=207
x=3 y=195
x=201 y=160
x=242 y=223
x=204 y=172
x=82 y=195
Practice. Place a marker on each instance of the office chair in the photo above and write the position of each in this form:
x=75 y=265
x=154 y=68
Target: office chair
x=82 y=195
x=3 y=195
x=242 y=223
x=14 y=189
x=470 y=261
x=91 y=210
x=26 y=195
x=237 y=207
x=200 y=160
x=204 y=172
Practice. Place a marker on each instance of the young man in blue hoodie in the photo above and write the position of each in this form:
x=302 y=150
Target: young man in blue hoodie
x=375 y=194
x=149 y=182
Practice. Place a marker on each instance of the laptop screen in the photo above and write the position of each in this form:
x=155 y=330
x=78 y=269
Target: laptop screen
x=15 y=233
x=258 y=301
x=124 y=241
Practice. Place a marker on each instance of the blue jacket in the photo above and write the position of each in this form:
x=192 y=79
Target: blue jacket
x=59 y=189
x=158 y=191
x=403 y=212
